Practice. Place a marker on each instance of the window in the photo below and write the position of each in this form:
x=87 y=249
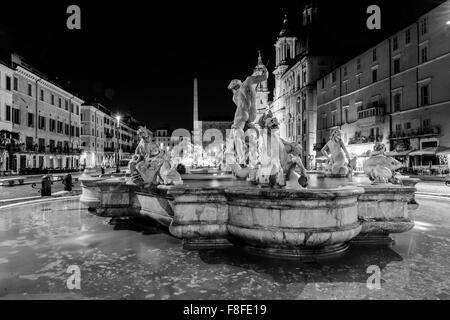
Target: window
x=345 y=71
x=8 y=113
x=30 y=120
x=333 y=77
x=374 y=55
x=423 y=26
x=345 y=120
x=425 y=95
x=396 y=65
x=52 y=125
x=30 y=90
x=52 y=99
x=333 y=119
x=77 y=131
x=66 y=129
x=42 y=95
x=408 y=125
x=71 y=107
x=66 y=105
x=408 y=36
x=374 y=75
x=41 y=143
x=78 y=110
x=345 y=87
x=41 y=123
x=16 y=116
x=398 y=127
x=397 y=102
x=358 y=64
x=424 y=54
x=59 y=102
x=8 y=83
x=395 y=43
x=426 y=123
x=324 y=121
x=358 y=78
x=16 y=84
x=323 y=83
x=60 y=127
x=29 y=142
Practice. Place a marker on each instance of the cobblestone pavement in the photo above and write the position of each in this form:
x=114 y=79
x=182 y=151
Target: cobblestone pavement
x=433 y=187
x=25 y=190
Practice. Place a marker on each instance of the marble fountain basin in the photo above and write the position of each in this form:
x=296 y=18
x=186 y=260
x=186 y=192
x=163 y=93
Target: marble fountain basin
x=315 y=222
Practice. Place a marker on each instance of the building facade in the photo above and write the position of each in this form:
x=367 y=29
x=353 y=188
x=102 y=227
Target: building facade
x=47 y=119
x=105 y=136
x=395 y=93
x=261 y=90
x=6 y=102
x=300 y=62
x=97 y=132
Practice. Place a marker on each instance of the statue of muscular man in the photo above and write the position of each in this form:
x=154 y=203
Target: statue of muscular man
x=244 y=97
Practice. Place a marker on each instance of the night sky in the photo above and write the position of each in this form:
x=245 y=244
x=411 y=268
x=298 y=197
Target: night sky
x=141 y=56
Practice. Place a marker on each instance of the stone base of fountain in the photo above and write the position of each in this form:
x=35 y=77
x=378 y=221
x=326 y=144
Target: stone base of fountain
x=303 y=254
x=268 y=221
x=383 y=209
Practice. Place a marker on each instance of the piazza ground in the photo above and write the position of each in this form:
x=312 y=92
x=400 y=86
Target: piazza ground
x=38 y=242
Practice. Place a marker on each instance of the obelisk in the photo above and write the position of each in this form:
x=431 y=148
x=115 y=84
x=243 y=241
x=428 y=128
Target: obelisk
x=197 y=125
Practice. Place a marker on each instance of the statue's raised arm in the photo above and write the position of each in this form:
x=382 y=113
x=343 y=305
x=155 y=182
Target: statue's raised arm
x=251 y=80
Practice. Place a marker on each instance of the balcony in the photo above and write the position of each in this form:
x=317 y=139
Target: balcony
x=421 y=132
x=370 y=116
x=48 y=149
x=364 y=139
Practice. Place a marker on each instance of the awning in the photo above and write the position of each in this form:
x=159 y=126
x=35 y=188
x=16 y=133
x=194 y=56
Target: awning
x=398 y=153
x=442 y=150
x=435 y=151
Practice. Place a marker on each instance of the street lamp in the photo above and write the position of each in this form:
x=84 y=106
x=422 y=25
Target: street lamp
x=117 y=148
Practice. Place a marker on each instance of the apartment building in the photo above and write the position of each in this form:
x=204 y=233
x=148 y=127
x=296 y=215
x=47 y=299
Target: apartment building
x=105 y=135
x=46 y=118
x=6 y=102
x=396 y=93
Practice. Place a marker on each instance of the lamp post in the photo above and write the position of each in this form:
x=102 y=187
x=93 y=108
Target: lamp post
x=118 y=146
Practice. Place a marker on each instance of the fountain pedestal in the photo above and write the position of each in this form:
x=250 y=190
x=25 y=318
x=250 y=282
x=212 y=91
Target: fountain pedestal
x=383 y=209
x=274 y=222
x=200 y=217
x=293 y=223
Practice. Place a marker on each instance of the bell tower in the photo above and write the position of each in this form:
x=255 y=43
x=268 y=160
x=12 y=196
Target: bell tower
x=262 y=90
x=286 y=49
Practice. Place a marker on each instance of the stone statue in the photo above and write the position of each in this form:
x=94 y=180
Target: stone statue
x=278 y=157
x=379 y=167
x=290 y=160
x=244 y=97
x=340 y=162
x=150 y=165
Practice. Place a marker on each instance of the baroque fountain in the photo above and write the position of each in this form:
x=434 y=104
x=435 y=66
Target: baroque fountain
x=269 y=204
